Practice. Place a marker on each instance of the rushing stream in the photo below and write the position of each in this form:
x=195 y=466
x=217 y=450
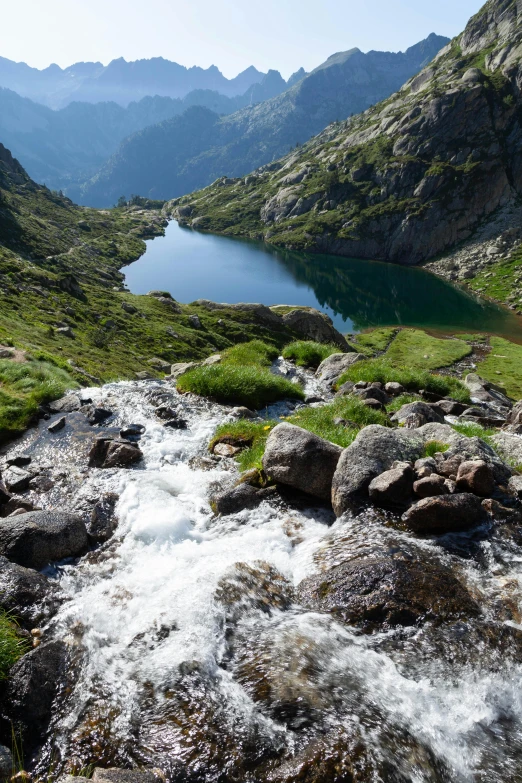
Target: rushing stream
x=213 y=672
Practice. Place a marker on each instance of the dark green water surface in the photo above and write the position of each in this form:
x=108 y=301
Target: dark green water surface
x=355 y=294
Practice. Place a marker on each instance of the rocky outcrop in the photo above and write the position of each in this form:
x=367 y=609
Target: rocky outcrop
x=38 y=538
x=301 y=460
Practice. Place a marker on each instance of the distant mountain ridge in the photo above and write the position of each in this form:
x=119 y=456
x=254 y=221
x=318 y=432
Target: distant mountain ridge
x=120 y=81
x=162 y=161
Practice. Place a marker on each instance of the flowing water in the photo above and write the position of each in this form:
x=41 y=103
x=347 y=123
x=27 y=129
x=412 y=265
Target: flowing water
x=210 y=671
x=355 y=294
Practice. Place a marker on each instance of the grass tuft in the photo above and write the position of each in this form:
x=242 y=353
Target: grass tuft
x=433 y=447
x=254 y=352
x=252 y=386
x=12 y=646
x=253 y=431
x=306 y=353
x=320 y=420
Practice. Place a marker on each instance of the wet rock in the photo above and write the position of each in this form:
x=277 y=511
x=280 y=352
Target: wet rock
x=16 y=504
x=387 y=590
x=176 y=424
x=38 y=538
x=165 y=412
x=373 y=452
x=67 y=404
x=501 y=513
x=106 y=452
x=393 y=488
x=477 y=477
x=116 y=775
x=96 y=414
x=331 y=369
x=57 y=425
x=258 y=586
x=6 y=763
x=242 y=413
x=236 y=499
x=19 y=460
x=430 y=486
x=5 y=496
x=41 y=484
x=27 y=594
x=103 y=521
x=301 y=460
x=33 y=685
x=424 y=413
x=445 y=514
x=394 y=389
x=17 y=479
x=134 y=431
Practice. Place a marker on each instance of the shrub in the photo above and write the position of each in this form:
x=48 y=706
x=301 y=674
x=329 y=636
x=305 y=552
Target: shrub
x=12 y=647
x=255 y=352
x=306 y=353
x=252 y=386
x=382 y=371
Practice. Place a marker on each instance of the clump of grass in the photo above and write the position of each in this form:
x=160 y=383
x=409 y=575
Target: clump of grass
x=254 y=352
x=320 y=420
x=403 y=399
x=433 y=447
x=472 y=430
x=255 y=432
x=413 y=379
x=306 y=353
x=12 y=646
x=252 y=386
x=25 y=386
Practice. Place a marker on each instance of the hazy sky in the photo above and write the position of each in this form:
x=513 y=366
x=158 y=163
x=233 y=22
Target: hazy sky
x=232 y=34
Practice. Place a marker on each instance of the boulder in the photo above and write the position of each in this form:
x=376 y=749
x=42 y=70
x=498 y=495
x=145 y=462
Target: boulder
x=16 y=479
x=373 y=452
x=103 y=521
x=301 y=460
x=128 y=308
x=484 y=391
x=34 y=682
x=372 y=393
x=385 y=590
x=451 y=407
x=96 y=414
x=235 y=499
x=424 y=413
x=509 y=446
x=242 y=413
x=475 y=476
x=515 y=416
x=57 y=425
x=27 y=594
x=331 y=369
x=430 y=486
x=116 y=775
x=394 y=389
x=107 y=452
x=445 y=514
x=67 y=404
x=314 y=325
x=38 y=538
x=393 y=488
x=181 y=368
x=195 y=322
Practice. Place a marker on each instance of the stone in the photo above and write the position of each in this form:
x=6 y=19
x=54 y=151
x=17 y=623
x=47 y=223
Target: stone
x=451 y=408
x=5 y=495
x=96 y=414
x=116 y=775
x=314 y=325
x=41 y=484
x=107 y=452
x=515 y=415
x=515 y=486
x=19 y=460
x=300 y=459
x=16 y=504
x=475 y=476
x=33 y=685
x=373 y=452
x=103 y=521
x=509 y=446
x=424 y=412
x=372 y=393
x=242 y=413
x=346 y=389
x=195 y=322
x=17 y=479
x=160 y=364
x=393 y=488
x=212 y=360
x=236 y=499
x=430 y=486
x=425 y=467
x=182 y=367
x=37 y=538
x=387 y=589
x=394 y=389
x=25 y=593
x=225 y=450
x=445 y=514
x=129 y=308
x=6 y=763
x=132 y=431
x=65 y=331
x=143 y=375
x=165 y=412
x=57 y=425
x=331 y=369
x=374 y=404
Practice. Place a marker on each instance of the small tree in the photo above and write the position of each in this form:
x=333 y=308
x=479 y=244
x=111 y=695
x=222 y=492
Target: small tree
x=122 y=202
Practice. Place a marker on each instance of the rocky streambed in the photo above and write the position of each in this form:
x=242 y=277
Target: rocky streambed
x=283 y=640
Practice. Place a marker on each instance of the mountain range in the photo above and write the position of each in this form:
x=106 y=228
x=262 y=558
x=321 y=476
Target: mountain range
x=406 y=179
x=190 y=151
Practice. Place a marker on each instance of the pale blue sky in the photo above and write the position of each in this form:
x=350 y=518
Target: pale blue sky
x=232 y=34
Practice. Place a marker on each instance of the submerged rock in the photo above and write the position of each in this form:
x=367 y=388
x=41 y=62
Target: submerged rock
x=117 y=775
x=103 y=521
x=300 y=459
x=27 y=594
x=38 y=538
x=107 y=452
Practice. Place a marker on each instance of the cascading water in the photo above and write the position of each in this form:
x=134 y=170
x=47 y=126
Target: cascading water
x=210 y=671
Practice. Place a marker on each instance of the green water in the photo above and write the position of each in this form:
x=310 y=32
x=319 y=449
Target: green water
x=355 y=294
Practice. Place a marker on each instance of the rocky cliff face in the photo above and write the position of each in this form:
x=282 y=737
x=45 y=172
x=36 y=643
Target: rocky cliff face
x=408 y=178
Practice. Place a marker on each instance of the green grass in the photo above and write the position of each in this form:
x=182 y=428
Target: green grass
x=254 y=352
x=472 y=338
x=433 y=447
x=403 y=399
x=414 y=348
x=252 y=386
x=306 y=353
x=471 y=430
x=503 y=366
x=12 y=646
x=320 y=420
x=375 y=341
x=413 y=379
x=254 y=432
x=23 y=387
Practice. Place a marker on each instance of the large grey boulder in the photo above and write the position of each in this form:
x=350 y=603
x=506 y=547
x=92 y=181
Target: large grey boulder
x=27 y=594
x=425 y=414
x=331 y=369
x=393 y=488
x=38 y=538
x=373 y=452
x=445 y=514
x=508 y=446
x=314 y=325
x=301 y=460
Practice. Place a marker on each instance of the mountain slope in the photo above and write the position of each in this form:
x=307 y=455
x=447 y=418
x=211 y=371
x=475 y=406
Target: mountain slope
x=406 y=179
x=348 y=82
x=119 y=81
